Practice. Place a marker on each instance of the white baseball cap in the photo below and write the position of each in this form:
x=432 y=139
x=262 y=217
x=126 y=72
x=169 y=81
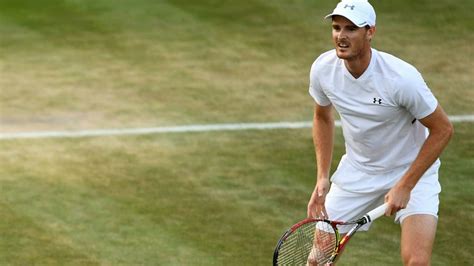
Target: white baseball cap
x=360 y=12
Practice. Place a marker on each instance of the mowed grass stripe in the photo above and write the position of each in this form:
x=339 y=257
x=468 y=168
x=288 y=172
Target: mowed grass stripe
x=178 y=129
x=34 y=242
x=88 y=223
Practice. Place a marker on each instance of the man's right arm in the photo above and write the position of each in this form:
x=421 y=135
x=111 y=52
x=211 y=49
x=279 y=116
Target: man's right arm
x=323 y=139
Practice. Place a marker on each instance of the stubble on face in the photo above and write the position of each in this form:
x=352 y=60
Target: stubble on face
x=351 y=42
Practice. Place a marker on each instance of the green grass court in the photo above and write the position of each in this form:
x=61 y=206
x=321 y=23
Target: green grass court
x=209 y=198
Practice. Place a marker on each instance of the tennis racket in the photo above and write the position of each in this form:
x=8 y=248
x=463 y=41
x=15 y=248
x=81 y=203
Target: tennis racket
x=317 y=241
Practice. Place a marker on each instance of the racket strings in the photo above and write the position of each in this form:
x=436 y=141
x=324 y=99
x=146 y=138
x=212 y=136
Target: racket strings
x=324 y=244
x=296 y=247
x=310 y=244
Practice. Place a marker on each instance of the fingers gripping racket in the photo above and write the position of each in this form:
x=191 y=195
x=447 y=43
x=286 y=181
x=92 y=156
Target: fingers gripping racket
x=317 y=241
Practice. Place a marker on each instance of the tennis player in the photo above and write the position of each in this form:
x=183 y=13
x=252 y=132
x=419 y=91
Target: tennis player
x=394 y=131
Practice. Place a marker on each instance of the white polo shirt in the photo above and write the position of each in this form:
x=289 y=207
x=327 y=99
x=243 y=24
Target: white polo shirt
x=377 y=110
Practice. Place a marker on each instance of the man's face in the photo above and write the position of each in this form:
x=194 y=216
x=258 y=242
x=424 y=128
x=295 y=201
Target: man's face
x=351 y=42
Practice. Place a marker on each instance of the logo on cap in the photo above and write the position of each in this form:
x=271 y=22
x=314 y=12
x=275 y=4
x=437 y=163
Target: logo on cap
x=352 y=7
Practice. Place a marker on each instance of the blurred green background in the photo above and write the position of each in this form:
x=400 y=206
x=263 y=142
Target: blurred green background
x=215 y=198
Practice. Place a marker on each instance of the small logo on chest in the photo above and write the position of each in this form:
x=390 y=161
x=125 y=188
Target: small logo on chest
x=377 y=100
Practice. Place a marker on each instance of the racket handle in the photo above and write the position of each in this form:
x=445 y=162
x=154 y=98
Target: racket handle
x=377 y=212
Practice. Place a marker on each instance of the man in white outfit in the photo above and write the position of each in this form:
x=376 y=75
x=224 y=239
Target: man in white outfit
x=394 y=131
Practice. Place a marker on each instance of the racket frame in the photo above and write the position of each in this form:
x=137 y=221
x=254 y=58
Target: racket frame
x=298 y=225
x=340 y=242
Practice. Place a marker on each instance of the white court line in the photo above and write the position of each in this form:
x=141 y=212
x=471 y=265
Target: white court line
x=177 y=129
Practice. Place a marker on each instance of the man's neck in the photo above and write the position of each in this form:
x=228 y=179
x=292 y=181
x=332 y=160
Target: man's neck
x=357 y=66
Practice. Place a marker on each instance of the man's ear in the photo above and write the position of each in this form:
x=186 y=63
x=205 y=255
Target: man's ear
x=371 y=33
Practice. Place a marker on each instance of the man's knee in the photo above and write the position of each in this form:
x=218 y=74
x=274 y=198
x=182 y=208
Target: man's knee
x=314 y=257
x=416 y=258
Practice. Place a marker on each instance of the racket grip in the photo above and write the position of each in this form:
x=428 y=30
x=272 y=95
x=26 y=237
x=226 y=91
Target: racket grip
x=377 y=212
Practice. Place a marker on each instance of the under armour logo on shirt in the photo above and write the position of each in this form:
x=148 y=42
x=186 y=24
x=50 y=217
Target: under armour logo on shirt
x=352 y=7
x=377 y=100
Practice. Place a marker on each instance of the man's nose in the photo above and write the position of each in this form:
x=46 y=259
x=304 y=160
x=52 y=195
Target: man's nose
x=342 y=35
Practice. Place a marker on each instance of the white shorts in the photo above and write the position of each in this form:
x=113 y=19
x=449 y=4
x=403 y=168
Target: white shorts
x=345 y=205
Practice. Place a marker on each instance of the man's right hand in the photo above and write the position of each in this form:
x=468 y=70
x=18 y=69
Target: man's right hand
x=316 y=208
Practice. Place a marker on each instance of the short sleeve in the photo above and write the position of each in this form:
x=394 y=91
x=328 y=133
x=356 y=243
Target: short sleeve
x=415 y=96
x=315 y=89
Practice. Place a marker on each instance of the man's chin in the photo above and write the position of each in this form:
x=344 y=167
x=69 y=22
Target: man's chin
x=342 y=55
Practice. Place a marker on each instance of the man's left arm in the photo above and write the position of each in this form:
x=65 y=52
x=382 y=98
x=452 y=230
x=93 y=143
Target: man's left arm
x=440 y=132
